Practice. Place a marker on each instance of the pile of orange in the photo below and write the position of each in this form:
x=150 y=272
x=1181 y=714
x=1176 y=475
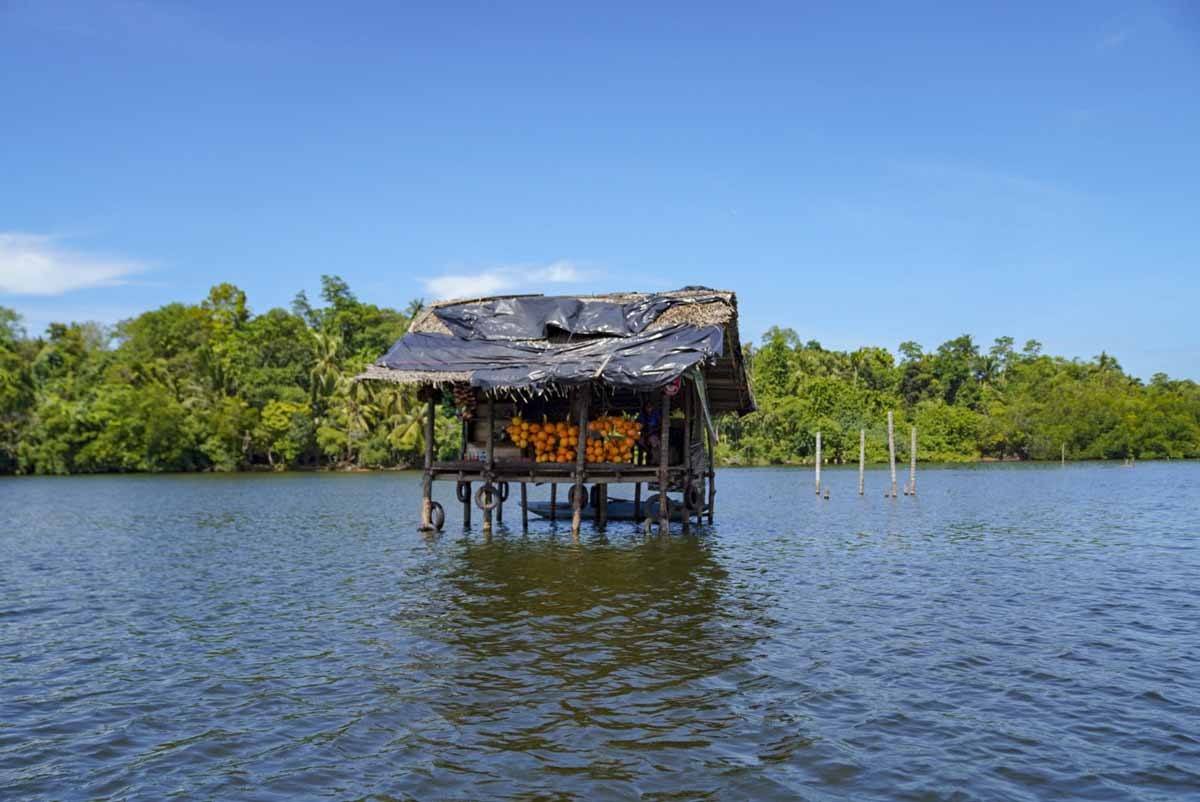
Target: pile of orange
x=551 y=442
x=612 y=438
x=609 y=439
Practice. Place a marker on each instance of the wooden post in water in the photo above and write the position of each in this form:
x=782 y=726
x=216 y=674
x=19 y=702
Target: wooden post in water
x=524 y=508
x=912 y=464
x=462 y=455
x=1064 y=455
x=491 y=464
x=637 y=501
x=664 y=456
x=427 y=479
x=862 y=459
x=553 y=502
x=686 y=390
x=602 y=505
x=892 y=450
x=584 y=397
x=711 y=440
x=818 y=461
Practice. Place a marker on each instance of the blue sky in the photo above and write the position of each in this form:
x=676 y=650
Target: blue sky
x=864 y=175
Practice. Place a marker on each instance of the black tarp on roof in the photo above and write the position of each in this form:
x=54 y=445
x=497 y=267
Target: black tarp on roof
x=642 y=361
x=537 y=317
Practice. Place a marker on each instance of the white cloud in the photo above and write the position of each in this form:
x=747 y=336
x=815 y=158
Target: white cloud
x=558 y=272
x=468 y=286
x=503 y=279
x=32 y=264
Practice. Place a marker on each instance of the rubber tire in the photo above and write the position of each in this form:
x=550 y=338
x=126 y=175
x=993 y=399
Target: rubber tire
x=462 y=491
x=488 y=492
x=692 y=498
x=437 y=515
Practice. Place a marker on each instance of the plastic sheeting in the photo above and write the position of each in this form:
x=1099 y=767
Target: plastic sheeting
x=639 y=360
x=537 y=317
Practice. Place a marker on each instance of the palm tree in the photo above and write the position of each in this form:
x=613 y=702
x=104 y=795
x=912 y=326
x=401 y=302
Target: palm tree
x=327 y=368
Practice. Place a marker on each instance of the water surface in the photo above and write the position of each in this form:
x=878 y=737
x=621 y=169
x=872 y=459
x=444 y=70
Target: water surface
x=1013 y=632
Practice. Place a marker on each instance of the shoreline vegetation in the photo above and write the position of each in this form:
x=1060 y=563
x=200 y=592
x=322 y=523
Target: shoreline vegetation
x=213 y=387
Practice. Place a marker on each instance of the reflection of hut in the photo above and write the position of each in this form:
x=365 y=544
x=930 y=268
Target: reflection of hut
x=567 y=382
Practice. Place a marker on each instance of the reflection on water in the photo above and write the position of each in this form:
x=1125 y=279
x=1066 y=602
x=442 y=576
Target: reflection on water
x=1011 y=633
x=603 y=661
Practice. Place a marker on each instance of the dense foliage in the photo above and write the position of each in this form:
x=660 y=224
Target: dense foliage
x=213 y=387
x=207 y=387
x=966 y=403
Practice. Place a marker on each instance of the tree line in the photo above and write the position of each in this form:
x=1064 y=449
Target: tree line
x=211 y=386
x=967 y=403
x=208 y=386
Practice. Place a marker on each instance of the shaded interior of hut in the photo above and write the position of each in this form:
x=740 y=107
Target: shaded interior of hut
x=622 y=428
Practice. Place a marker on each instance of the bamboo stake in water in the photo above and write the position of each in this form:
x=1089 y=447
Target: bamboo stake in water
x=818 y=480
x=862 y=458
x=1064 y=455
x=892 y=450
x=912 y=464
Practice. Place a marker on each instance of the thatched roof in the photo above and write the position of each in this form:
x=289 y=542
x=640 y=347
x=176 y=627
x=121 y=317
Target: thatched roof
x=677 y=318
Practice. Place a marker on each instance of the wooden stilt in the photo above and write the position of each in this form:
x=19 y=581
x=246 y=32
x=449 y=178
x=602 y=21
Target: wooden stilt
x=491 y=462
x=664 y=455
x=602 y=506
x=584 y=399
x=818 y=463
x=892 y=450
x=467 y=508
x=862 y=460
x=524 y=508
x=912 y=463
x=710 y=439
x=553 y=502
x=1064 y=455
x=686 y=389
x=427 y=479
x=637 y=501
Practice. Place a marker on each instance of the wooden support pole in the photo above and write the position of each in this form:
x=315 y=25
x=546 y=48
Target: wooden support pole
x=712 y=472
x=695 y=476
x=524 y=507
x=602 y=505
x=427 y=479
x=1064 y=455
x=553 y=502
x=862 y=460
x=584 y=397
x=491 y=462
x=637 y=501
x=818 y=462
x=499 y=505
x=664 y=456
x=467 y=505
x=892 y=450
x=686 y=389
x=912 y=464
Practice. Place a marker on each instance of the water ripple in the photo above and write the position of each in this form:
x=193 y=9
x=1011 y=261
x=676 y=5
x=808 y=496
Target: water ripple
x=1012 y=633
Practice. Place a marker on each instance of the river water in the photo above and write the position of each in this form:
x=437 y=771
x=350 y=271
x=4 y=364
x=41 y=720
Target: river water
x=1013 y=632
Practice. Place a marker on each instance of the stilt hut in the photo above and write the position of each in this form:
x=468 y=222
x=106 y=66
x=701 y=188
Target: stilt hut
x=582 y=391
